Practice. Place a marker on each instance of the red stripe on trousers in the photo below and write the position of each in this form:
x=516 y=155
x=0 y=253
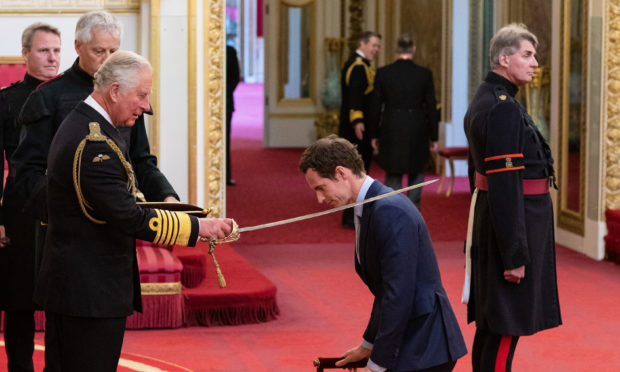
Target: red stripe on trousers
x=502 y=354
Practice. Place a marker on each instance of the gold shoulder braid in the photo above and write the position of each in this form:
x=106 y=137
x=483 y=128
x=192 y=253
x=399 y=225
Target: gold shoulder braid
x=95 y=135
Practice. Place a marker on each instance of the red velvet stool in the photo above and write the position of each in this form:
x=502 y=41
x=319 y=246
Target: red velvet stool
x=451 y=154
x=194 y=262
x=160 y=282
x=612 y=239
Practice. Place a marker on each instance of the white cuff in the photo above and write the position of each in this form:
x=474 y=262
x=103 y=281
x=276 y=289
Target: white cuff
x=374 y=367
x=367 y=344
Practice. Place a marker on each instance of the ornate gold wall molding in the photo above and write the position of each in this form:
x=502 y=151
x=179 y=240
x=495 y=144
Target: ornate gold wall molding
x=155 y=60
x=356 y=19
x=214 y=110
x=611 y=104
x=475 y=46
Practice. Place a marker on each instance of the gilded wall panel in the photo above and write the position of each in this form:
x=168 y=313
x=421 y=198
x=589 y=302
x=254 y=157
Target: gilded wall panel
x=611 y=192
x=422 y=19
x=214 y=42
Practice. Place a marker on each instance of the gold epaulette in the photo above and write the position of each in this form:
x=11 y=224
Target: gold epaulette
x=95 y=135
x=370 y=73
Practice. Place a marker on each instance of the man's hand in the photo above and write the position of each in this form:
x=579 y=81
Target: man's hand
x=359 y=130
x=4 y=240
x=217 y=228
x=515 y=275
x=375 y=145
x=354 y=355
x=171 y=199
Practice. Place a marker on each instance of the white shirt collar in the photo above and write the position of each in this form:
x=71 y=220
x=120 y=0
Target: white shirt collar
x=362 y=195
x=95 y=105
x=360 y=53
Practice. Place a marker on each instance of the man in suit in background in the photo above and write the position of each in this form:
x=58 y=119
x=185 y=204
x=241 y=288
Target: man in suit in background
x=356 y=83
x=233 y=76
x=412 y=326
x=408 y=126
x=89 y=281
x=41 y=53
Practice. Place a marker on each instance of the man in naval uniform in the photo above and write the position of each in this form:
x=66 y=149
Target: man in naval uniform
x=97 y=35
x=89 y=282
x=41 y=53
x=356 y=81
x=511 y=252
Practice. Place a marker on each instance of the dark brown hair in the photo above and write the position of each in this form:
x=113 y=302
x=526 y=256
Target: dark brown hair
x=324 y=155
x=365 y=36
x=404 y=45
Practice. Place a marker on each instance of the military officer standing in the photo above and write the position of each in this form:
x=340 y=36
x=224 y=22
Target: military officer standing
x=89 y=281
x=357 y=85
x=41 y=53
x=511 y=252
x=97 y=35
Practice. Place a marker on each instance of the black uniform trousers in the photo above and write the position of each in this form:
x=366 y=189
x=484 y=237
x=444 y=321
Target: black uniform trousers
x=77 y=344
x=492 y=352
x=20 y=324
x=19 y=340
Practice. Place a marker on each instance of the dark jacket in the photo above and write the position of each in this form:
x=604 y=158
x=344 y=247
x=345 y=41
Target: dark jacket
x=233 y=76
x=510 y=229
x=89 y=268
x=412 y=325
x=357 y=85
x=18 y=260
x=405 y=95
x=40 y=118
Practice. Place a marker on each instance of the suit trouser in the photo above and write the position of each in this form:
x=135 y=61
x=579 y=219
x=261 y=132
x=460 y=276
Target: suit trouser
x=19 y=340
x=395 y=181
x=493 y=352
x=74 y=344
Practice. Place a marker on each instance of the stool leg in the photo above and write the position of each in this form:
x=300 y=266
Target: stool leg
x=443 y=175
x=451 y=177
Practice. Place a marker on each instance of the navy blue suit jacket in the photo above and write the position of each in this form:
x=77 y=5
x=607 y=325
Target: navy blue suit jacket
x=412 y=325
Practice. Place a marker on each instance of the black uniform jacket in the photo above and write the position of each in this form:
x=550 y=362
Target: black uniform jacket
x=17 y=266
x=357 y=85
x=409 y=118
x=11 y=101
x=40 y=118
x=89 y=268
x=510 y=229
x=233 y=76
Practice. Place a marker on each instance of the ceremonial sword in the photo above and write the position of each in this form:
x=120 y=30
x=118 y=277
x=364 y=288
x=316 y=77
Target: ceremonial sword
x=336 y=209
x=236 y=232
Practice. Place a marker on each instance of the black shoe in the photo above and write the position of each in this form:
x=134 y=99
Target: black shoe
x=231 y=182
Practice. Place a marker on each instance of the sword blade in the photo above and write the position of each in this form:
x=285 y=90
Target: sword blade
x=322 y=213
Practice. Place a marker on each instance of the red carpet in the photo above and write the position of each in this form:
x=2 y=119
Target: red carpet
x=248 y=297
x=324 y=306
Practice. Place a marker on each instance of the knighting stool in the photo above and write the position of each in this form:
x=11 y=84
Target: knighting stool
x=160 y=280
x=451 y=154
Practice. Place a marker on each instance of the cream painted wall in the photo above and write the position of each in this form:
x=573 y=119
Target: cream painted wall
x=173 y=153
x=12 y=25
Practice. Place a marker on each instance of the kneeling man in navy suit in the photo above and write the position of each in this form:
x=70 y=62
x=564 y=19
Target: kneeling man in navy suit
x=412 y=326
